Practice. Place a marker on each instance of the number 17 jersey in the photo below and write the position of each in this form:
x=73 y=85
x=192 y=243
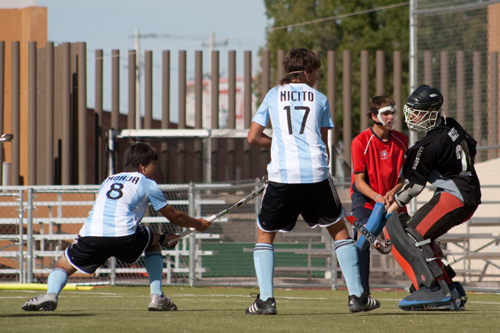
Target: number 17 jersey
x=120 y=205
x=297 y=113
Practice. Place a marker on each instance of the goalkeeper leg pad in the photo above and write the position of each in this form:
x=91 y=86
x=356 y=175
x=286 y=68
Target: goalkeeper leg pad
x=413 y=253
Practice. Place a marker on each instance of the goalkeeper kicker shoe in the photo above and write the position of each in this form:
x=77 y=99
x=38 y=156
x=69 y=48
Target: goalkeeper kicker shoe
x=161 y=303
x=42 y=302
x=259 y=307
x=362 y=303
x=458 y=300
x=425 y=299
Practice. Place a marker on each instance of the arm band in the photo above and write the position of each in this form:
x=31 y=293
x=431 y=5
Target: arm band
x=375 y=199
x=410 y=191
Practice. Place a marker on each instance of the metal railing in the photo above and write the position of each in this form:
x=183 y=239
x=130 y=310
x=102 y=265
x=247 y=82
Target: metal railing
x=37 y=223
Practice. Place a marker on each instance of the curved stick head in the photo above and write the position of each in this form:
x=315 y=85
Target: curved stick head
x=384 y=249
x=6 y=137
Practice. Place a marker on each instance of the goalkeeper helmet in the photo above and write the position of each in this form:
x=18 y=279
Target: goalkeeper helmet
x=423 y=108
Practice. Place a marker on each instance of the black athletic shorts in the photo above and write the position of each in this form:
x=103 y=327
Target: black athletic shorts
x=87 y=254
x=318 y=203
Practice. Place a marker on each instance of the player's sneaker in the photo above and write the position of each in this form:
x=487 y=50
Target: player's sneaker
x=42 y=302
x=161 y=303
x=425 y=299
x=259 y=307
x=362 y=303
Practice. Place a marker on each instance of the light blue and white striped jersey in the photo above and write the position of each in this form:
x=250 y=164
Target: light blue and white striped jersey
x=297 y=112
x=121 y=203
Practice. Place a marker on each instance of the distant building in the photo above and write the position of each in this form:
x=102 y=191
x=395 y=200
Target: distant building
x=223 y=103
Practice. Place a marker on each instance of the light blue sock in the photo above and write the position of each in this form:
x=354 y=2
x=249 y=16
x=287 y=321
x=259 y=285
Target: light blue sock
x=263 y=257
x=154 y=266
x=348 y=261
x=57 y=280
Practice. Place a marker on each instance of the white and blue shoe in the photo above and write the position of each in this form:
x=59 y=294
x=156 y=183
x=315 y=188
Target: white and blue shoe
x=42 y=302
x=161 y=303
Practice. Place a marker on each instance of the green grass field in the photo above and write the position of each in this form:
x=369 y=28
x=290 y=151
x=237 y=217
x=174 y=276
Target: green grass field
x=124 y=309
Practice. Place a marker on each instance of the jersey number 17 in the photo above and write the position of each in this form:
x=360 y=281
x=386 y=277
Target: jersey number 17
x=289 y=117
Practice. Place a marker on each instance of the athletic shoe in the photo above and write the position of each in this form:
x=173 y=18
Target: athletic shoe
x=42 y=302
x=259 y=307
x=425 y=299
x=161 y=303
x=362 y=303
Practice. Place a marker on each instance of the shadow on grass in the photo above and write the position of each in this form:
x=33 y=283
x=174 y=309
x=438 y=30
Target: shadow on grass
x=378 y=314
x=44 y=314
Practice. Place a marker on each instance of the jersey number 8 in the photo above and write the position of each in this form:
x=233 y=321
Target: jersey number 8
x=115 y=191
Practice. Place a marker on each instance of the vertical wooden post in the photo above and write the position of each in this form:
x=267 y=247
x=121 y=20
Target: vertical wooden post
x=82 y=113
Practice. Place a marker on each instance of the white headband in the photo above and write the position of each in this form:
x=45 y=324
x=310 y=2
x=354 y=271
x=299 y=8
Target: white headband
x=387 y=108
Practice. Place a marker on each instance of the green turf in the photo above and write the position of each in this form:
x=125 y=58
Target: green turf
x=124 y=309
x=229 y=259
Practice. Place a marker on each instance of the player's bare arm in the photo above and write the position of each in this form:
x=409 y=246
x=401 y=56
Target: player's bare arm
x=256 y=136
x=365 y=189
x=183 y=220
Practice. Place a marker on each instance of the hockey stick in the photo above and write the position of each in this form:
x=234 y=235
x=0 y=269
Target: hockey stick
x=6 y=138
x=214 y=217
x=382 y=248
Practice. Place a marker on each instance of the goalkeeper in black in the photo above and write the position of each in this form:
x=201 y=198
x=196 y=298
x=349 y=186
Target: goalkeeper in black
x=445 y=159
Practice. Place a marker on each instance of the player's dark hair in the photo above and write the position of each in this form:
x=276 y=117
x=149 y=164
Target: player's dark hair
x=136 y=154
x=298 y=61
x=379 y=102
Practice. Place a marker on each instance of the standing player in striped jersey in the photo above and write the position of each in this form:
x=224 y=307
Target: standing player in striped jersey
x=114 y=229
x=299 y=180
x=377 y=162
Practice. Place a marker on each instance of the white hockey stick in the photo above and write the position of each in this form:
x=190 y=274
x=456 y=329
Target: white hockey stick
x=212 y=218
x=6 y=138
x=382 y=248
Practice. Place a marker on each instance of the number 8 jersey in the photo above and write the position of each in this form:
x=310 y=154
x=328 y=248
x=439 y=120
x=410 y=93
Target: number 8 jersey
x=121 y=203
x=297 y=113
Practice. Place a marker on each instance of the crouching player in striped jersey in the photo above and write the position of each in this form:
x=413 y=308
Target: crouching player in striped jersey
x=299 y=180
x=114 y=229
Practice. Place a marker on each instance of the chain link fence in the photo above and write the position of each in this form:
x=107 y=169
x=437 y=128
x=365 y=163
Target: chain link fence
x=38 y=223
x=456 y=47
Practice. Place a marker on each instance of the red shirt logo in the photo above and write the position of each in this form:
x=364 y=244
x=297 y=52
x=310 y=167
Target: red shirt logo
x=384 y=155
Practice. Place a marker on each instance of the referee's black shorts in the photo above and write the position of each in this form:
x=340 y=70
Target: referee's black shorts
x=87 y=254
x=318 y=203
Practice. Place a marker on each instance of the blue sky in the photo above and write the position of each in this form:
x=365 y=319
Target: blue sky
x=181 y=25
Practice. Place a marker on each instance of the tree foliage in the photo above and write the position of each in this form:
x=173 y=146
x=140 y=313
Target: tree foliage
x=341 y=26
